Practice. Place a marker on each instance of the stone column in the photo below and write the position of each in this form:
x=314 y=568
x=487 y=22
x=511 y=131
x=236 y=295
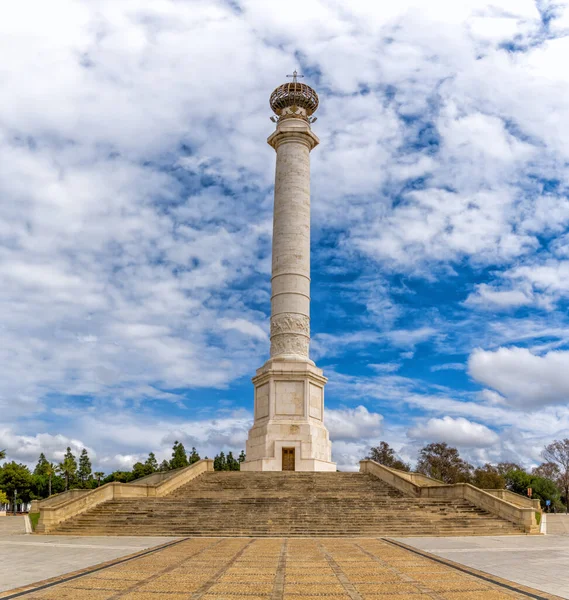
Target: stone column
x=290 y=301
x=289 y=388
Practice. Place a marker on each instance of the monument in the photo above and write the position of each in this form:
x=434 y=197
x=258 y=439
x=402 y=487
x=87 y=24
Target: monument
x=288 y=432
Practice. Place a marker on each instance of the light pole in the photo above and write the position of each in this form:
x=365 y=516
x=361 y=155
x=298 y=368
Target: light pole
x=15 y=494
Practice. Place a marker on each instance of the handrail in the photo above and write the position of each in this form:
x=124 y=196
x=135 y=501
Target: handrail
x=51 y=516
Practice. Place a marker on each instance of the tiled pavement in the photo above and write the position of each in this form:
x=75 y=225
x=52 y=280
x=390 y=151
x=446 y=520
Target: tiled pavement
x=277 y=568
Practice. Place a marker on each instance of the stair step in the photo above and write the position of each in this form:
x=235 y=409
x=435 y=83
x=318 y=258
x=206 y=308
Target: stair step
x=286 y=504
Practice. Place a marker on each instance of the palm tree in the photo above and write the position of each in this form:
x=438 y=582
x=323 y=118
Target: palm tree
x=50 y=472
x=98 y=475
x=67 y=468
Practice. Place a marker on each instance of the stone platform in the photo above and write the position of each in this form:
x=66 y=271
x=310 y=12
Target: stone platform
x=279 y=569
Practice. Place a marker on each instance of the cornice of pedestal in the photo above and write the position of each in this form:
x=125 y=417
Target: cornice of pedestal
x=293 y=130
x=289 y=367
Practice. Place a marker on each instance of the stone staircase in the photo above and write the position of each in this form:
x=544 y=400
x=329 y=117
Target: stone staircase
x=286 y=504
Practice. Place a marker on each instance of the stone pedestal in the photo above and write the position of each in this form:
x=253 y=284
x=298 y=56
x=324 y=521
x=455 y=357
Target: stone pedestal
x=289 y=409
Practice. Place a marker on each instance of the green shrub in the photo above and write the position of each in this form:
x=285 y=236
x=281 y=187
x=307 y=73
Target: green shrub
x=34 y=518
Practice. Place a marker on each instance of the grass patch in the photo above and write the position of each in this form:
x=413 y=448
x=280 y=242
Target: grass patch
x=34 y=518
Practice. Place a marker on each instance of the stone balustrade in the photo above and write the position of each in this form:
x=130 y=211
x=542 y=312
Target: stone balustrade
x=59 y=508
x=420 y=486
x=516 y=499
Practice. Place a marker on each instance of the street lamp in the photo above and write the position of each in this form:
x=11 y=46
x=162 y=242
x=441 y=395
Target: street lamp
x=15 y=493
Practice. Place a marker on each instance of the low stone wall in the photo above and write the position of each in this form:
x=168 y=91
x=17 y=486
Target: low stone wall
x=155 y=478
x=516 y=499
x=397 y=479
x=522 y=516
x=56 y=499
x=53 y=512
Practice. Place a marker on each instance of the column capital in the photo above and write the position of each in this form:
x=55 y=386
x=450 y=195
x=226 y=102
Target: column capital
x=293 y=130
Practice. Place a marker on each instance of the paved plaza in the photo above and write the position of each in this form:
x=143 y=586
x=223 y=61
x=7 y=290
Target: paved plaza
x=537 y=561
x=25 y=559
x=557 y=524
x=278 y=568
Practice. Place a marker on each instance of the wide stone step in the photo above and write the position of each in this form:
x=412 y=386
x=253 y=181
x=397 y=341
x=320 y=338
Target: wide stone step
x=246 y=533
x=286 y=504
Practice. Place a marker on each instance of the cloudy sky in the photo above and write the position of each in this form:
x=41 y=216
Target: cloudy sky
x=135 y=222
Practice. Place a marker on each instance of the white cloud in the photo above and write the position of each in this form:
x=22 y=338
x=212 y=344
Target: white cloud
x=487 y=297
x=390 y=367
x=449 y=367
x=135 y=226
x=245 y=327
x=27 y=448
x=456 y=432
x=524 y=379
x=492 y=398
x=352 y=423
x=409 y=338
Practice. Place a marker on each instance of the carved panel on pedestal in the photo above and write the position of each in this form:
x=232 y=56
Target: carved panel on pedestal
x=316 y=402
x=289 y=396
x=262 y=401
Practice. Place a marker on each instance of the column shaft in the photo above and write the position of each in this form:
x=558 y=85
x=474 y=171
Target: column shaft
x=290 y=299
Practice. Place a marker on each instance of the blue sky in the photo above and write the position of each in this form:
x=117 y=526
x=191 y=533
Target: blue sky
x=135 y=226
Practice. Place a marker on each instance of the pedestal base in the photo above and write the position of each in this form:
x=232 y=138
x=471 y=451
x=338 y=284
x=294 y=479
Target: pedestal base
x=289 y=409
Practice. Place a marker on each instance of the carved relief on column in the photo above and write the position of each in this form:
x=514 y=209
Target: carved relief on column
x=290 y=334
x=289 y=343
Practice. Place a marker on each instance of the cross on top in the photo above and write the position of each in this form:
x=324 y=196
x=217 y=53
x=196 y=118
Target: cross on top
x=294 y=76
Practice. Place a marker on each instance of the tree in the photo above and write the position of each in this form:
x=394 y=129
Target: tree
x=42 y=465
x=50 y=472
x=547 y=470
x=120 y=476
x=518 y=481
x=14 y=476
x=242 y=456
x=151 y=464
x=40 y=479
x=220 y=462
x=139 y=470
x=194 y=456
x=441 y=461
x=98 y=475
x=488 y=478
x=84 y=471
x=505 y=467
x=558 y=452
x=164 y=466
x=2 y=454
x=232 y=464
x=68 y=467
x=3 y=498
x=544 y=489
x=179 y=458
x=385 y=455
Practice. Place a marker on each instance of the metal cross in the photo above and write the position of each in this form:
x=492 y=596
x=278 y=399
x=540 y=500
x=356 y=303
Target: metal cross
x=294 y=76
